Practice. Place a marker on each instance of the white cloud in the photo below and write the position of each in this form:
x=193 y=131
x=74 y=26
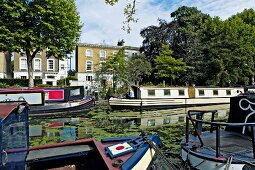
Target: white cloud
x=103 y=23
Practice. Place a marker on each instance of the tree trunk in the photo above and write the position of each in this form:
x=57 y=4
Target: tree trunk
x=30 y=69
x=8 y=64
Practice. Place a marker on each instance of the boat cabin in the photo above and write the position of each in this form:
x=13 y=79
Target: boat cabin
x=33 y=97
x=184 y=92
x=14 y=135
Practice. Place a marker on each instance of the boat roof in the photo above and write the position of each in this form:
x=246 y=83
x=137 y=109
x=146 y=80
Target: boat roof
x=19 y=90
x=7 y=108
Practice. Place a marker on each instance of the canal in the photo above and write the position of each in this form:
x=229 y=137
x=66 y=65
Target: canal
x=102 y=122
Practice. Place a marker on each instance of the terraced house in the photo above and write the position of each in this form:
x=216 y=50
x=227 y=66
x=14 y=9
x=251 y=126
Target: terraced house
x=89 y=57
x=5 y=65
x=48 y=69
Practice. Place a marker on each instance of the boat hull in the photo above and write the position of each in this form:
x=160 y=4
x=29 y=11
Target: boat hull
x=55 y=108
x=200 y=162
x=148 y=104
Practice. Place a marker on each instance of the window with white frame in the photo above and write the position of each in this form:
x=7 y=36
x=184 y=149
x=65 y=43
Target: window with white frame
x=89 y=65
x=88 y=78
x=102 y=54
x=37 y=64
x=23 y=63
x=62 y=67
x=89 y=53
x=50 y=64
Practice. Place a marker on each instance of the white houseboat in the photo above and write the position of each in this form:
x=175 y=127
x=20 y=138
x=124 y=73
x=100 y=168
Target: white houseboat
x=174 y=97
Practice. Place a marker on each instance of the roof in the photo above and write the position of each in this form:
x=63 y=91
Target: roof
x=7 y=108
x=20 y=90
x=106 y=46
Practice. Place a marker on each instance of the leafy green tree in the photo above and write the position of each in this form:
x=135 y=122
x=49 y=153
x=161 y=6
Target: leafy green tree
x=169 y=67
x=36 y=25
x=138 y=68
x=187 y=42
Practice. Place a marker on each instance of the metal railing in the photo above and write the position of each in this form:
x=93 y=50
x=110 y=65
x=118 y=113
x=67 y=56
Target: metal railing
x=198 y=122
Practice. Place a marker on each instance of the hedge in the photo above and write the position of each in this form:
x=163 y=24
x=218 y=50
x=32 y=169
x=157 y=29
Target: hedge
x=19 y=82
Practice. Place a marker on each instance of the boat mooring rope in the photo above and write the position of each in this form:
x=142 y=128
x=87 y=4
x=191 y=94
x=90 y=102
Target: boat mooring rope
x=156 y=149
x=229 y=161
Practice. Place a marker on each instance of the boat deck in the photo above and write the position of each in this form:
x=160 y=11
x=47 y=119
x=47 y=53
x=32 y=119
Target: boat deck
x=231 y=143
x=58 y=151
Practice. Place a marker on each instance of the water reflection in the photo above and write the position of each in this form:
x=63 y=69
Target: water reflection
x=50 y=130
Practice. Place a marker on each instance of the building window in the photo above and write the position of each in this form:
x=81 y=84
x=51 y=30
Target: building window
x=215 y=92
x=37 y=64
x=151 y=122
x=167 y=92
x=101 y=64
x=151 y=92
x=89 y=65
x=114 y=52
x=50 y=64
x=23 y=77
x=62 y=67
x=134 y=54
x=23 y=64
x=201 y=92
x=181 y=92
x=89 y=53
x=50 y=77
x=228 y=92
x=37 y=77
x=102 y=53
x=88 y=78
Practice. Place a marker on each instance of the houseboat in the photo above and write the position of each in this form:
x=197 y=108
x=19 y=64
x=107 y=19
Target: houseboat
x=224 y=145
x=49 y=100
x=133 y=152
x=174 y=97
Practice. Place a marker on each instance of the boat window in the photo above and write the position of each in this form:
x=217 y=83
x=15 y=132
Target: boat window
x=181 y=92
x=228 y=92
x=151 y=122
x=167 y=120
x=215 y=92
x=167 y=92
x=151 y=92
x=201 y=92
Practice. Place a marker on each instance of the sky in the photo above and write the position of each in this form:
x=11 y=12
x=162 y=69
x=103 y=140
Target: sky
x=102 y=23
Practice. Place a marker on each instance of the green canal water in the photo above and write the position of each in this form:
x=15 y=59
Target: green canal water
x=102 y=122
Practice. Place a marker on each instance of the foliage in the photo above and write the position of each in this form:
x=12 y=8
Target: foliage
x=169 y=67
x=36 y=25
x=221 y=52
x=138 y=68
x=129 y=12
x=18 y=82
x=71 y=73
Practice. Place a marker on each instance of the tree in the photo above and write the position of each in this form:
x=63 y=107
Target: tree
x=138 y=68
x=169 y=67
x=129 y=12
x=36 y=25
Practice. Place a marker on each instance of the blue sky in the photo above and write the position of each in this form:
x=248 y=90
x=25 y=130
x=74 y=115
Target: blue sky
x=103 y=23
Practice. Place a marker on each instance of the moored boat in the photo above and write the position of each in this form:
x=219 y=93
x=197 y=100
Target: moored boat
x=224 y=145
x=174 y=97
x=49 y=100
x=133 y=152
